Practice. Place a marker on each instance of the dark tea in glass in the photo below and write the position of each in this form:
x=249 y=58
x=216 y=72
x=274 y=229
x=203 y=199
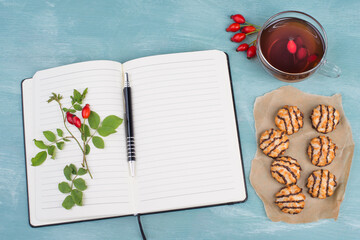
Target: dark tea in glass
x=292 y=45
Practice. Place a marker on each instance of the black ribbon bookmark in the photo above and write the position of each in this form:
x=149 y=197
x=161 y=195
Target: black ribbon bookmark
x=141 y=228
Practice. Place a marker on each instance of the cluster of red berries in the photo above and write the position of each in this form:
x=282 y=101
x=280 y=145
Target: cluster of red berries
x=245 y=29
x=74 y=120
x=296 y=46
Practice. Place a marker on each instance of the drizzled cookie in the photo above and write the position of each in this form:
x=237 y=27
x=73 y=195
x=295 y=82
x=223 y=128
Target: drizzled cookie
x=285 y=170
x=321 y=184
x=325 y=118
x=290 y=199
x=321 y=151
x=289 y=119
x=273 y=142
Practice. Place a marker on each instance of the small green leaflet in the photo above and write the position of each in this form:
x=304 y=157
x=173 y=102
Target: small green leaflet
x=94 y=120
x=40 y=144
x=51 y=151
x=80 y=184
x=82 y=171
x=77 y=107
x=64 y=187
x=112 y=121
x=49 y=136
x=67 y=172
x=73 y=169
x=68 y=203
x=69 y=110
x=59 y=132
x=39 y=158
x=98 y=142
x=77 y=196
x=105 y=131
x=83 y=95
x=77 y=96
x=87 y=149
x=60 y=145
x=85 y=131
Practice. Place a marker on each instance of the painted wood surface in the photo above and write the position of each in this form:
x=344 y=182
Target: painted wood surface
x=37 y=35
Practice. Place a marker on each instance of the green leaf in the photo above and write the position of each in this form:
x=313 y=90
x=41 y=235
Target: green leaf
x=49 y=136
x=51 y=151
x=82 y=171
x=40 y=144
x=77 y=196
x=69 y=110
x=73 y=169
x=105 y=131
x=77 y=107
x=112 y=121
x=39 y=158
x=67 y=172
x=85 y=132
x=60 y=145
x=94 y=120
x=98 y=142
x=59 y=132
x=77 y=96
x=83 y=95
x=66 y=140
x=80 y=184
x=64 y=187
x=72 y=100
x=87 y=149
x=68 y=203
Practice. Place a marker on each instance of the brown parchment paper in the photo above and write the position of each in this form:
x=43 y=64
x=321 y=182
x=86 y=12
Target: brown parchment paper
x=265 y=110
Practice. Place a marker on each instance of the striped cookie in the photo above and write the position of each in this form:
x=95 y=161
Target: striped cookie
x=321 y=151
x=273 y=142
x=290 y=199
x=285 y=170
x=321 y=184
x=325 y=118
x=289 y=119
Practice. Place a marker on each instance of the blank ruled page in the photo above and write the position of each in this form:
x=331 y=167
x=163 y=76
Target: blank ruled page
x=108 y=193
x=185 y=132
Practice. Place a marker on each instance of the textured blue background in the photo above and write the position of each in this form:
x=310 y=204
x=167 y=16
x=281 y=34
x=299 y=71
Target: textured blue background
x=36 y=35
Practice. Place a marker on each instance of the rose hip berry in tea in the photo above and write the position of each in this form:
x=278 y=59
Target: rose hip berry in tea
x=292 y=45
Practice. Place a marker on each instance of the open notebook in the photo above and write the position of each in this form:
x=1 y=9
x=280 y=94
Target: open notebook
x=187 y=143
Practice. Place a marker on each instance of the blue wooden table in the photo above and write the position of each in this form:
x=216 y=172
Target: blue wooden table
x=36 y=35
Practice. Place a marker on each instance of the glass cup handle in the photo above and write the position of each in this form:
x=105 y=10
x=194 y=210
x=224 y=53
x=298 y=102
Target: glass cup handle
x=330 y=70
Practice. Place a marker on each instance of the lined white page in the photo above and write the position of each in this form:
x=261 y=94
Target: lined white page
x=186 y=140
x=108 y=193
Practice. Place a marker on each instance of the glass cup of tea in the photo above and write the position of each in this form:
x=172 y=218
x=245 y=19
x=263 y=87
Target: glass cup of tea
x=292 y=45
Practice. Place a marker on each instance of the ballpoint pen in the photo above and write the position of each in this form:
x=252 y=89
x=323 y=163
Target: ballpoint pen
x=130 y=142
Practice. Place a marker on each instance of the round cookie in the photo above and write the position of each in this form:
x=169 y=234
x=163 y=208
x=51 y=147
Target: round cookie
x=321 y=151
x=289 y=119
x=321 y=184
x=285 y=170
x=273 y=142
x=325 y=118
x=290 y=199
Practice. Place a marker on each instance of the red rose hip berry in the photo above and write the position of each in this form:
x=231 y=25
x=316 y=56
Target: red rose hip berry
x=251 y=52
x=238 y=37
x=242 y=47
x=234 y=27
x=312 y=58
x=77 y=121
x=238 y=18
x=291 y=46
x=69 y=118
x=86 y=111
x=248 y=29
x=301 y=53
